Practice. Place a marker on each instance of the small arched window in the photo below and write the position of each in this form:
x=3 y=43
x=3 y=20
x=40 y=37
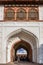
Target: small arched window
x=9 y=14
x=21 y=14
x=33 y=14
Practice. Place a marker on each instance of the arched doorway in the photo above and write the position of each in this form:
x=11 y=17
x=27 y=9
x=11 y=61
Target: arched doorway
x=22 y=38
x=22 y=45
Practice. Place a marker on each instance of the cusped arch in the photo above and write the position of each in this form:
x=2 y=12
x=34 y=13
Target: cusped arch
x=22 y=34
x=9 y=14
x=33 y=14
x=21 y=14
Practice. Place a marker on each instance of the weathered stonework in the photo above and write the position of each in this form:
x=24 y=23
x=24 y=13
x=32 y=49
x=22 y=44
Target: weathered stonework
x=7 y=28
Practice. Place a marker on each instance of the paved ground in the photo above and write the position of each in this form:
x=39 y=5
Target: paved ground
x=21 y=63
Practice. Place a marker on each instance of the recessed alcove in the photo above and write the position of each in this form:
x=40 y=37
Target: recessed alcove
x=18 y=39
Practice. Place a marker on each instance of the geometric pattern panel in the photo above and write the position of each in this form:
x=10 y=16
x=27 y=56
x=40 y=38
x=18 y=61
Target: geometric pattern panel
x=21 y=13
x=33 y=14
x=9 y=14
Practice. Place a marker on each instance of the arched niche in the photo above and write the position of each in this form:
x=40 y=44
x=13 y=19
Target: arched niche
x=33 y=14
x=16 y=37
x=9 y=14
x=21 y=14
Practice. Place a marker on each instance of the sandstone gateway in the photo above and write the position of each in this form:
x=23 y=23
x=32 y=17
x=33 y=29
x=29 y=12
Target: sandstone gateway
x=21 y=32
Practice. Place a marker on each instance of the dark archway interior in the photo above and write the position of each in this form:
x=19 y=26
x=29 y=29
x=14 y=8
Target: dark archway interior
x=22 y=54
x=27 y=47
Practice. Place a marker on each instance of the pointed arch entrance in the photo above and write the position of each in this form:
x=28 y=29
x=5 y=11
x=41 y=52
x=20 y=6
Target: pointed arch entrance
x=23 y=56
x=22 y=38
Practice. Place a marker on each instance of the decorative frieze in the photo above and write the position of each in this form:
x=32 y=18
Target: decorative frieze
x=21 y=13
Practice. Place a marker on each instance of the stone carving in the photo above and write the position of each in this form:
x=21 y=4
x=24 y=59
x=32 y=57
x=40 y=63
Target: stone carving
x=33 y=14
x=10 y=14
x=21 y=14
